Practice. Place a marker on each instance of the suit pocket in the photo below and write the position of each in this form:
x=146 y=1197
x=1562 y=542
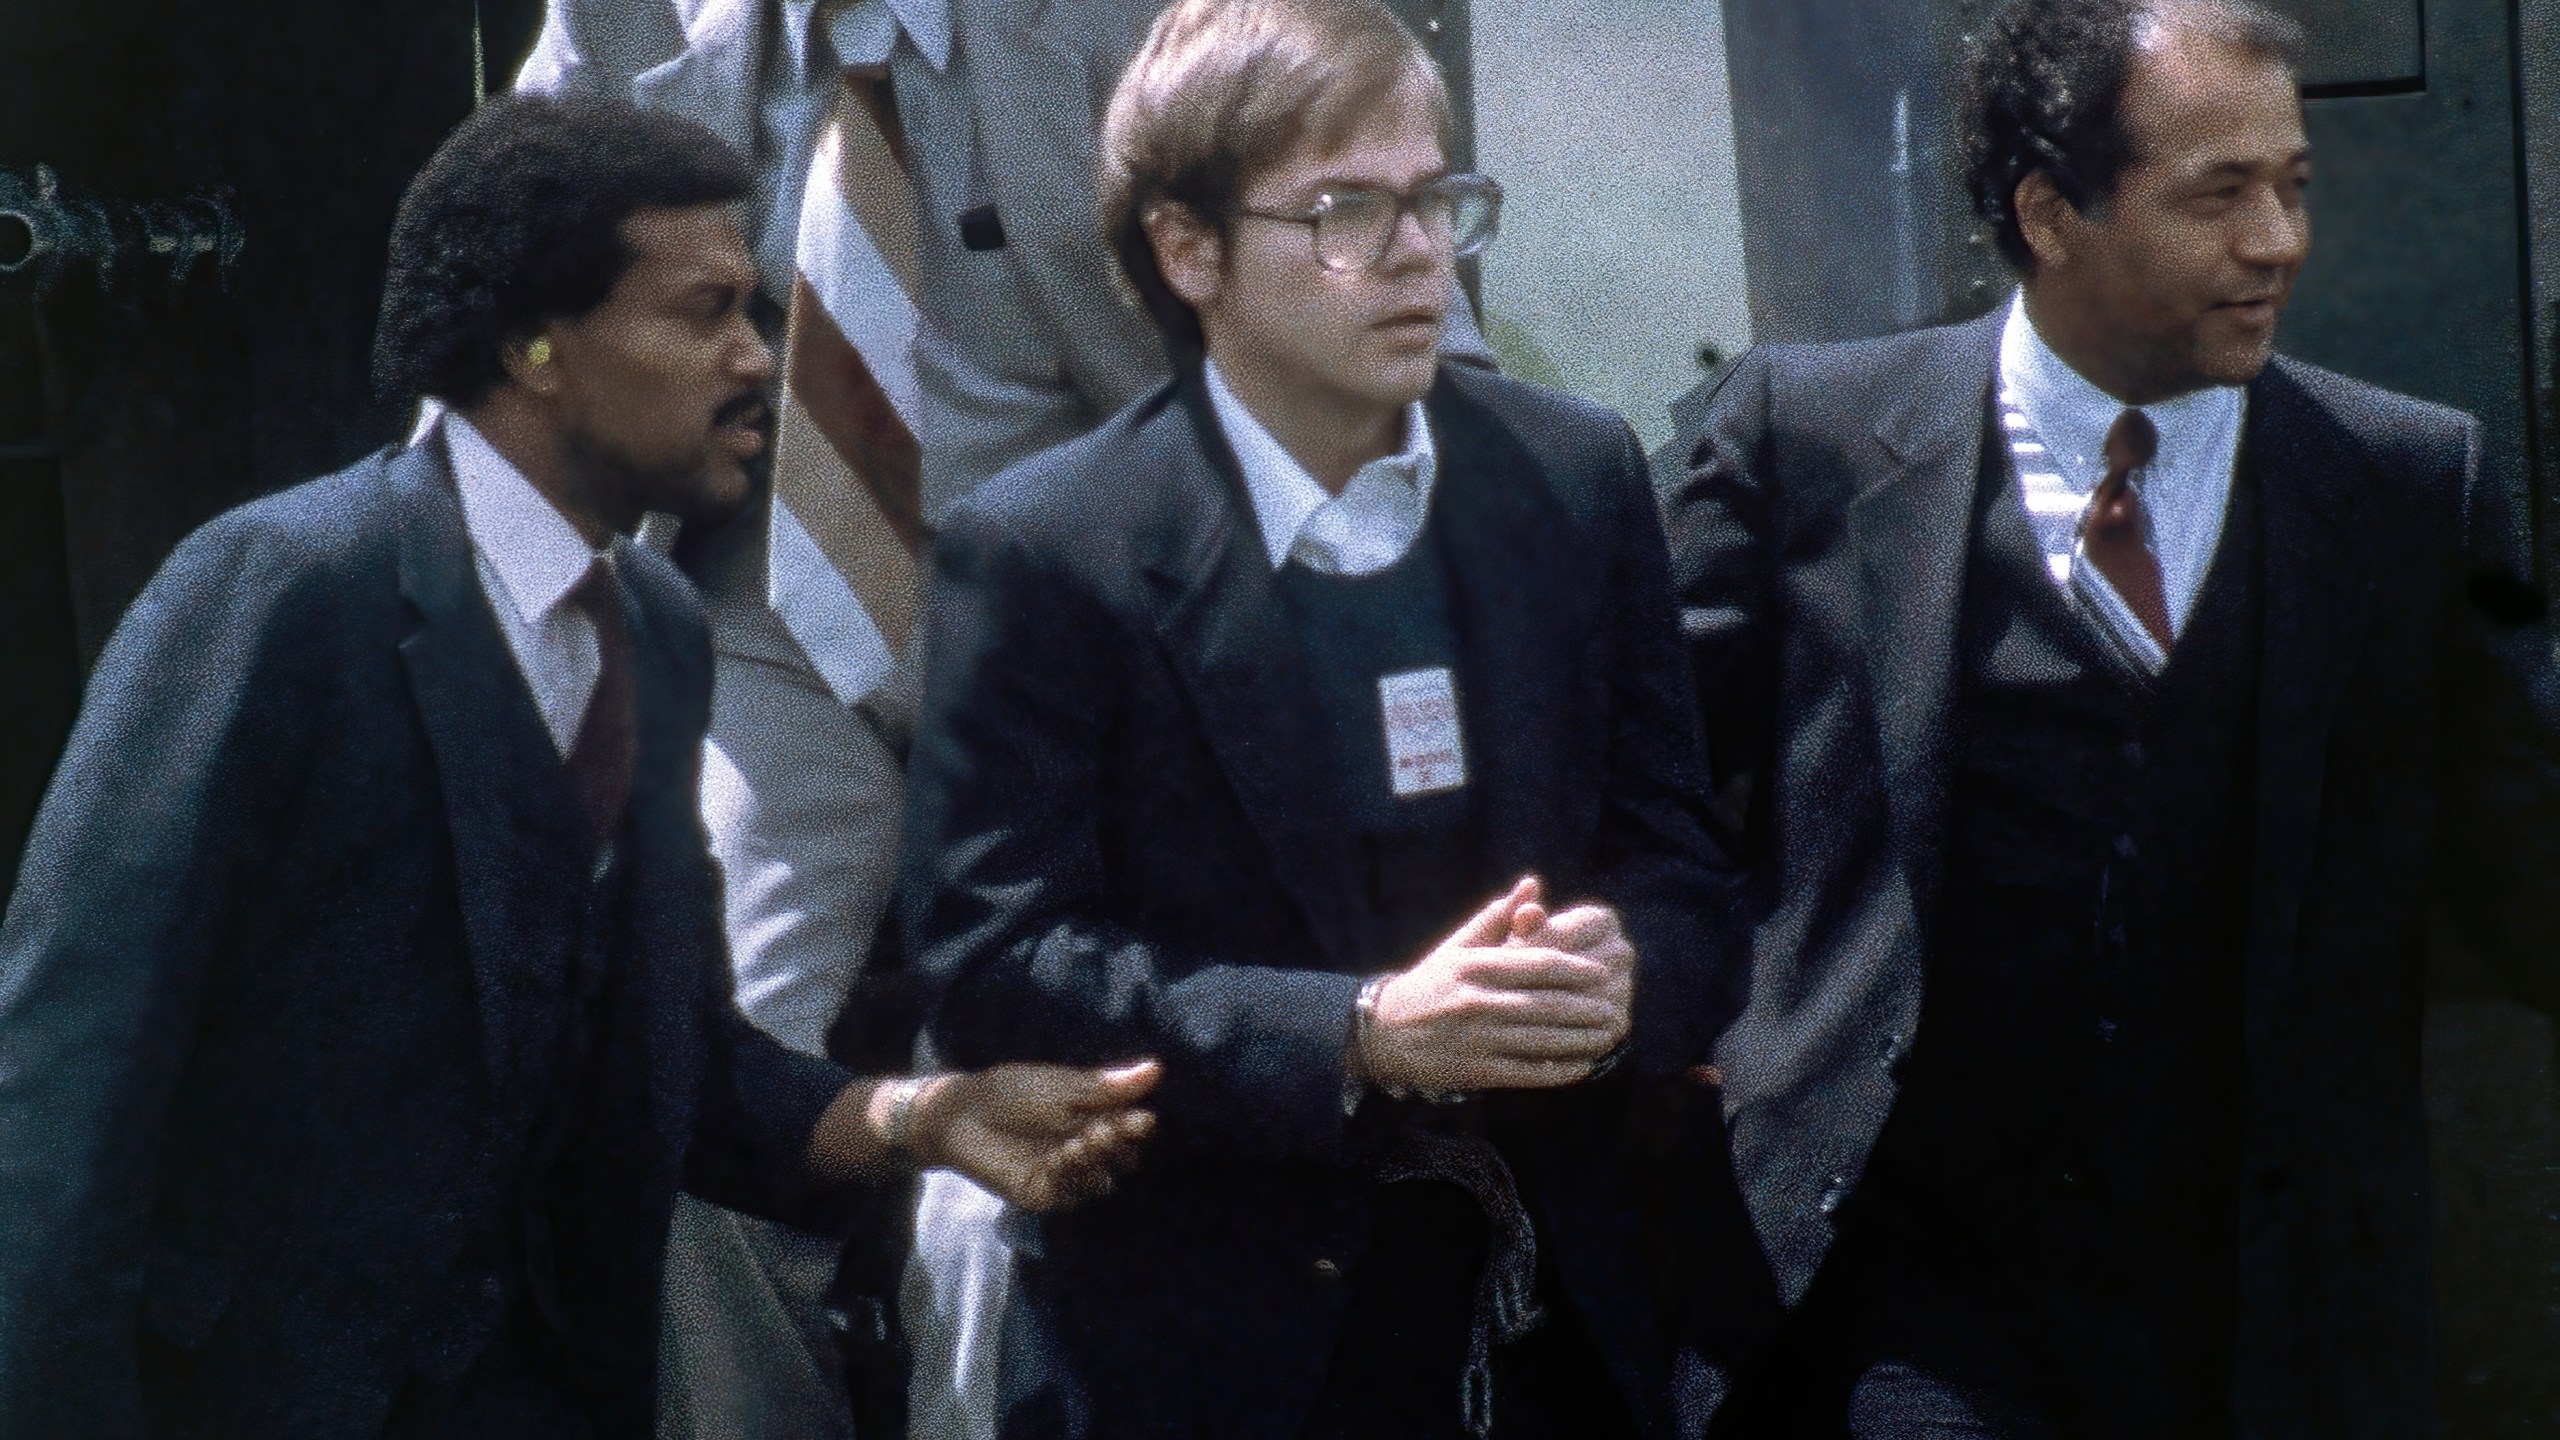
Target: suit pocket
x=183 y=1295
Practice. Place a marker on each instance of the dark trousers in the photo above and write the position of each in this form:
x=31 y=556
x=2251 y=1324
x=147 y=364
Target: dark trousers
x=523 y=1386
x=1397 y=1369
x=1905 y=1335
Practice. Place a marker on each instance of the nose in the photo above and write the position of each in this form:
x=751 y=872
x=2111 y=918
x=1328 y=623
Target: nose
x=1412 y=245
x=2275 y=230
x=750 y=358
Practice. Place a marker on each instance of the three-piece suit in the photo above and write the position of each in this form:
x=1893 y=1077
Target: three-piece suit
x=337 y=1066
x=2147 y=945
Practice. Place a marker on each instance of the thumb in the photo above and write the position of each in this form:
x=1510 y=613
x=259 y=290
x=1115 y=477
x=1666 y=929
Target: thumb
x=1123 y=1085
x=1491 y=924
x=1078 y=1092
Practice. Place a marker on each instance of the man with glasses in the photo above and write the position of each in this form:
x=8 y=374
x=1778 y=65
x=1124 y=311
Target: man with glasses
x=1319 y=725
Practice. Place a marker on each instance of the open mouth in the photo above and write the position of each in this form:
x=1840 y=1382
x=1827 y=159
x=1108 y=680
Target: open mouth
x=745 y=426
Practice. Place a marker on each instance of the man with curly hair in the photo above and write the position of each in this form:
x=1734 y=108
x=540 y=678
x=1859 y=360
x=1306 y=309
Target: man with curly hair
x=2108 y=704
x=362 y=1000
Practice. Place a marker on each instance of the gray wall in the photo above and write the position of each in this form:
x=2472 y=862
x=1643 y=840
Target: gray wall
x=1609 y=126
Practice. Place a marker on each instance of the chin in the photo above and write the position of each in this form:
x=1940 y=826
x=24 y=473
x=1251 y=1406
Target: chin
x=1403 y=380
x=2236 y=364
x=716 y=492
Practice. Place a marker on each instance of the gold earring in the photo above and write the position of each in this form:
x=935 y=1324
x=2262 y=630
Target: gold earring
x=538 y=353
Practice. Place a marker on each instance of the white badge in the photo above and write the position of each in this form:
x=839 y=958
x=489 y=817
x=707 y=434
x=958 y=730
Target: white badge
x=1424 y=756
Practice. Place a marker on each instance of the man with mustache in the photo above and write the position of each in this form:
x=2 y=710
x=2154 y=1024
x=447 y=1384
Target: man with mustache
x=363 y=1001
x=2105 y=705
x=1318 y=725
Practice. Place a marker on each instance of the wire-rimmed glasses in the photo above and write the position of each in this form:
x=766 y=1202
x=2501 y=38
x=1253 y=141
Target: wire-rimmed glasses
x=1354 y=224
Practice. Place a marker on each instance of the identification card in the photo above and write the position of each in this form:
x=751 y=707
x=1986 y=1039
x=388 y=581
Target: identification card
x=1424 y=754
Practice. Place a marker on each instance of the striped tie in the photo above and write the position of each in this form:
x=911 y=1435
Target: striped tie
x=849 y=517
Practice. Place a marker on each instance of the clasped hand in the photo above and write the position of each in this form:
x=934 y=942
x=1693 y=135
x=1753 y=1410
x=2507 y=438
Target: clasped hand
x=1518 y=998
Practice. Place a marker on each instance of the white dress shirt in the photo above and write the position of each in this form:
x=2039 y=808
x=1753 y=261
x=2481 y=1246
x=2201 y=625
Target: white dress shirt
x=2185 y=489
x=1363 y=530
x=529 y=557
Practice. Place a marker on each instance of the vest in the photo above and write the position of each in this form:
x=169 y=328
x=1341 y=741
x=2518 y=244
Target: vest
x=2070 y=1111
x=1420 y=859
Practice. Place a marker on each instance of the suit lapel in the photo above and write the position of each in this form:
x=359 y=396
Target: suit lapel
x=1525 y=693
x=2318 y=599
x=1226 y=631
x=505 y=796
x=1912 y=528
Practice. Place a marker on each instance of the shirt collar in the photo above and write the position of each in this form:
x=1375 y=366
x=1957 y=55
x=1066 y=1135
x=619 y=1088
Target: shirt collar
x=1284 y=495
x=864 y=32
x=537 y=555
x=2072 y=416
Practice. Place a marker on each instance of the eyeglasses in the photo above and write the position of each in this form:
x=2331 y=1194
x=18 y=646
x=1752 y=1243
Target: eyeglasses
x=1354 y=224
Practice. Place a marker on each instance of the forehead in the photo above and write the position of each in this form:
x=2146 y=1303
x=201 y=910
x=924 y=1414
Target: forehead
x=675 y=250
x=2196 y=101
x=1392 y=140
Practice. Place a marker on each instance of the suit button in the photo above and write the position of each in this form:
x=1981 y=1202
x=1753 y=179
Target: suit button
x=2126 y=849
x=2106 y=1030
x=2070 y=1179
x=1834 y=1196
x=1897 y=1050
x=492 y=1290
x=1328 y=1269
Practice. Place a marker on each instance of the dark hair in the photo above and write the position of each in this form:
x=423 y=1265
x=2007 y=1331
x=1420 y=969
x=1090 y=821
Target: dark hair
x=1220 y=92
x=2043 y=90
x=517 y=219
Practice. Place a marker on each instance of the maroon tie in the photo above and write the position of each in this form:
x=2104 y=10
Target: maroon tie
x=600 y=762
x=2116 y=532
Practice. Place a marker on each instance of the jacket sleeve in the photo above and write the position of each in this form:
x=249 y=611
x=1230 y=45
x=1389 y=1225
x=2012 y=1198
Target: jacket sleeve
x=169 y=792
x=1676 y=885
x=758 y=1101
x=760 y=1104
x=1721 y=532
x=2498 y=864
x=1006 y=890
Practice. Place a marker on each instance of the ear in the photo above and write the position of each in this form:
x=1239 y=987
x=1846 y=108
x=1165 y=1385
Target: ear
x=1192 y=256
x=532 y=362
x=2046 y=219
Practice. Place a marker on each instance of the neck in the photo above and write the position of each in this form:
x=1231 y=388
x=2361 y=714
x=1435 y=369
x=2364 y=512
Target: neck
x=2092 y=345
x=521 y=434
x=1329 y=433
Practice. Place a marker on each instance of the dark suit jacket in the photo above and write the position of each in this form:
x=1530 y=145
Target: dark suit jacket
x=1122 y=843
x=2408 y=753
x=279 y=984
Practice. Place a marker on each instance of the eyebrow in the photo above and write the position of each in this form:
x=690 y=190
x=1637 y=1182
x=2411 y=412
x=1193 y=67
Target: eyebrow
x=2227 y=168
x=1347 y=181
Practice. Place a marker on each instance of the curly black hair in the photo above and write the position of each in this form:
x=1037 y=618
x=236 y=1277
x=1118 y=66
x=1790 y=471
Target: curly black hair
x=517 y=219
x=2043 y=88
